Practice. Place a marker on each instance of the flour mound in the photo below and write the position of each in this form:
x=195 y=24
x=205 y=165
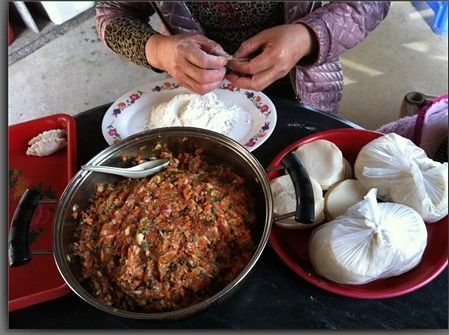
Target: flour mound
x=194 y=110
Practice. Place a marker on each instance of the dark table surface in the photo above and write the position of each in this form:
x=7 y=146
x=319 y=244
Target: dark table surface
x=272 y=296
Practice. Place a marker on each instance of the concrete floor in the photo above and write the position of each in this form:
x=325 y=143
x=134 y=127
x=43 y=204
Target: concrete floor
x=75 y=71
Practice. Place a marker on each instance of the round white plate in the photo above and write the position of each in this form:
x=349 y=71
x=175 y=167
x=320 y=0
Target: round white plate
x=128 y=115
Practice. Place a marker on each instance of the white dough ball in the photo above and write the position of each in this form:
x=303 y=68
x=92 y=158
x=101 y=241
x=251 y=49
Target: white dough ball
x=340 y=197
x=323 y=161
x=284 y=199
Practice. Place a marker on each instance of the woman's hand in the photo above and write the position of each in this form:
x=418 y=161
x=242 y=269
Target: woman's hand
x=190 y=59
x=278 y=49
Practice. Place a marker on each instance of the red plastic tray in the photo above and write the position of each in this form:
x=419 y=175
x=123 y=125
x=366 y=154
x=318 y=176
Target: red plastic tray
x=292 y=245
x=39 y=280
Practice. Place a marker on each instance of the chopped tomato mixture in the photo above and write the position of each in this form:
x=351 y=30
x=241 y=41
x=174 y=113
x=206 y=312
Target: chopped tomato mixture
x=168 y=241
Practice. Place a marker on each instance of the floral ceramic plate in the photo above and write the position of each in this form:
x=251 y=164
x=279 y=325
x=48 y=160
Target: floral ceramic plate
x=129 y=114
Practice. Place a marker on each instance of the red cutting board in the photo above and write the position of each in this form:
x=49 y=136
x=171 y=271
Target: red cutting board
x=39 y=280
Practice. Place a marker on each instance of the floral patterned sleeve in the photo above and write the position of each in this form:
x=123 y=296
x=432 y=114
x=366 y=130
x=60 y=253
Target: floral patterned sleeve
x=128 y=37
x=125 y=30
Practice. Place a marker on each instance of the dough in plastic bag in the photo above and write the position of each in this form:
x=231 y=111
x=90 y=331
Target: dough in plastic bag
x=371 y=241
x=402 y=173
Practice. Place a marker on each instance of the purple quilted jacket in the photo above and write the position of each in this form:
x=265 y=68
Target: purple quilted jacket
x=338 y=26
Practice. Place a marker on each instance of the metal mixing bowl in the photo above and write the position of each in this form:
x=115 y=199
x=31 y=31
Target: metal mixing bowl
x=217 y=149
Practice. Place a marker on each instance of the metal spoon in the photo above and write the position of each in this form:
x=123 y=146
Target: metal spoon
x=142 y=170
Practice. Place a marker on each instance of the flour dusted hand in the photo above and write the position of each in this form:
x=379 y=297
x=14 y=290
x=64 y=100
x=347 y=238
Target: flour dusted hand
x=193 y=60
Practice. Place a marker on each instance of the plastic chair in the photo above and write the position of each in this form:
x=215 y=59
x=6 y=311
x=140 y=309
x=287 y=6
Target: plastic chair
x=439 y=8
x=439 y=23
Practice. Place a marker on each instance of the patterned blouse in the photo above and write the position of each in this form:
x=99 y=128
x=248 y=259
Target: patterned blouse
x=227 y=23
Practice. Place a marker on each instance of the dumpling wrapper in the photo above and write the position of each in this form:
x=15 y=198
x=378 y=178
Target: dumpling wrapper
x=340 y=197
x=284 y=200
x=323 y=161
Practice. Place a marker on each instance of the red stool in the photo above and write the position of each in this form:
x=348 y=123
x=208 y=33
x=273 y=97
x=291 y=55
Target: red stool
x=10 y=34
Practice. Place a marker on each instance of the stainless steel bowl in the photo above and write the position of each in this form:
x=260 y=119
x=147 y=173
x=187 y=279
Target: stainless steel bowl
x=217 y=149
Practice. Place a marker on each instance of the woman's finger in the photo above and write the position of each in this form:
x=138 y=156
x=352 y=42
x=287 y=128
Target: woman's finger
x=213 y=48
x=258 y=64
x=196 y=87
x=195 y=55
x=257 y=82
x=249 y=46
x=201 y=75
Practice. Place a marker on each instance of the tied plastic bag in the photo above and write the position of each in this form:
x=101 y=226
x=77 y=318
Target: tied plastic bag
x=371 y=241
x=402 y=173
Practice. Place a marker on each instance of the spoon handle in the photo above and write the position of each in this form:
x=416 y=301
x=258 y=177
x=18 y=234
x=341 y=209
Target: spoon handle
x=106 y=169
x=124 y=172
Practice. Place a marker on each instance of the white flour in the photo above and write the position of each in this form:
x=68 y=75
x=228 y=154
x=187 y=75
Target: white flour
x=194 y=110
